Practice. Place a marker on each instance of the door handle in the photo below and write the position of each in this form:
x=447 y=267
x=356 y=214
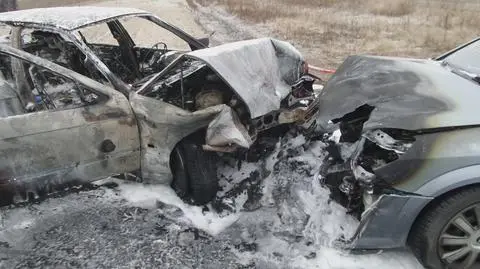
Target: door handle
x=107 y=146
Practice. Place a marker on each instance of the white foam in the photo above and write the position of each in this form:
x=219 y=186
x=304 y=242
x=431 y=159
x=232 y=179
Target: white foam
x=148 y=195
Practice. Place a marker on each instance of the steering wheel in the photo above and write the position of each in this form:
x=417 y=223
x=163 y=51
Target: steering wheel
x=154 y=53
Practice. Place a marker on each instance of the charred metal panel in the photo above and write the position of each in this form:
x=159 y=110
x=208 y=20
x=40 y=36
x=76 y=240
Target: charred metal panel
x=55 y=147
x=431 y=156
x=43 y=150
x=405 y=93
x=162 y=126
x=260 y=71
x=67 y=18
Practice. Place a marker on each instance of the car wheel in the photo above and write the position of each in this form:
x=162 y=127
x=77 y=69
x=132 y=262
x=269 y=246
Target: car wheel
x=194 y=173
x=448 y=235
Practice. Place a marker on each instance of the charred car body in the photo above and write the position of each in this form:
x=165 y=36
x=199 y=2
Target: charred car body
x=130 y=110
x=407 y=157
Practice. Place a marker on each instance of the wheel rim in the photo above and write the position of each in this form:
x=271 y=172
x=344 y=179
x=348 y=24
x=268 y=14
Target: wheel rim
x=459 y=242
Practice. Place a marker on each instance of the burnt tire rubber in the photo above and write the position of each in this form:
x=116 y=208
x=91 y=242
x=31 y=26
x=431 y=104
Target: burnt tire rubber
x=424 y=238
x=194 y=173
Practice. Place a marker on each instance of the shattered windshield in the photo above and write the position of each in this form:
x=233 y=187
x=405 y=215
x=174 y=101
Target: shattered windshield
x=466 y=60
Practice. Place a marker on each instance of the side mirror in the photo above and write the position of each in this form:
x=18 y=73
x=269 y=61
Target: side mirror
x=204 y=40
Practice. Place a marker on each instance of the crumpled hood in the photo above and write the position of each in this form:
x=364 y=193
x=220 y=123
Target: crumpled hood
x=260 y=71
x=405 y=93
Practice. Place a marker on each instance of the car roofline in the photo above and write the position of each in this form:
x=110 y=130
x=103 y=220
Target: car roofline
x=67 y=29
x=140 y=14
x=5 y=20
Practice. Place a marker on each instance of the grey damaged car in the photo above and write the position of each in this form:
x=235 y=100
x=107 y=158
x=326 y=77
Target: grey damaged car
x=405 y=153
x=150 y=113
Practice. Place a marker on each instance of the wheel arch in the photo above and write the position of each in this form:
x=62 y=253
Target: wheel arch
x=442 y=187
x=197 y=136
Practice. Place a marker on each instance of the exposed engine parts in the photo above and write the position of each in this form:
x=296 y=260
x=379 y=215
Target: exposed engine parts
x=385 y=141
x=208 y=98
x=299 y=104
x=352 y=174
x=192 y=85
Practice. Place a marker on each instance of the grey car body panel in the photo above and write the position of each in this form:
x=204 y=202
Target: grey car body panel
x=375 y=230
x=260 y=71
x=405 y=93
x=452 y=180
x=387 y=223
x=431 y=157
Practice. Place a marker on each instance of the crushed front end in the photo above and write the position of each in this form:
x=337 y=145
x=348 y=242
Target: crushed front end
x=226 y=97
x=356 y=173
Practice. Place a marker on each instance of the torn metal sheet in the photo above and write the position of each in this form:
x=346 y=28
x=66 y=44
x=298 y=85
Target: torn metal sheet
x=405 y=93
x=226 y=130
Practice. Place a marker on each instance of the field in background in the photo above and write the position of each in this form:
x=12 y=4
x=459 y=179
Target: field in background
x=329 y=30
x=23 y=4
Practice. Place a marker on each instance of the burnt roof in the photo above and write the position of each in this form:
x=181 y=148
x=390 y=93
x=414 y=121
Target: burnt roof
x=67 y=18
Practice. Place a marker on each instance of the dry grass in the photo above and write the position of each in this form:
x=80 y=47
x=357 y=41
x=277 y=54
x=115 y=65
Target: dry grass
x=391 y=8
x=329 y=30
x=24 y=4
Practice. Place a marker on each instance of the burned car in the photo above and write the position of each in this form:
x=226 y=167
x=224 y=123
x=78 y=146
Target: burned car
x=404 y=153
x=154 y=114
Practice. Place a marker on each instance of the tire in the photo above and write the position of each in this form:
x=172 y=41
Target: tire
x=427 y=237
x=194 y=173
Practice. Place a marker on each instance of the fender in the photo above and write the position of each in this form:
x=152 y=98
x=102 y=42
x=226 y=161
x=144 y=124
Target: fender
x=451 y=180
x=434 y=188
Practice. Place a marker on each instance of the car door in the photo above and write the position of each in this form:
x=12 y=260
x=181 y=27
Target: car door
x=72 y=130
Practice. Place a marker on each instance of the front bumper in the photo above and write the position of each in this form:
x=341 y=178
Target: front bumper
x=386 y=223
x=386 y=217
